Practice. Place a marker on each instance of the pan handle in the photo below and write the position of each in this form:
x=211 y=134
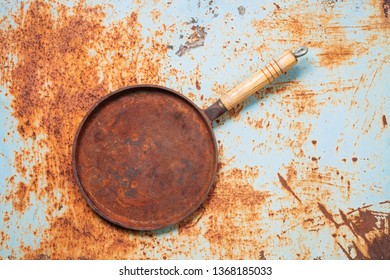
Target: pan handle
x=257 y=81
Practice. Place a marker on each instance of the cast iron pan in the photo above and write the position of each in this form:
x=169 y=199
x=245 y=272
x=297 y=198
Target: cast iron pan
x=145 y=156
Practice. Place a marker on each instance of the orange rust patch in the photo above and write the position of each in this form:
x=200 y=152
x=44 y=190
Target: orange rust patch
x=3 y=238
x=256 y=123
x=21 y=197
x=7 y=217
x=232 y=195
x=364 y=222
x=156 y=15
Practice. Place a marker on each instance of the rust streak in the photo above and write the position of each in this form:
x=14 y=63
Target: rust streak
x=384 y=121
x=287 y=187
x=373 y=78
x=345 y=251
x=328 y=215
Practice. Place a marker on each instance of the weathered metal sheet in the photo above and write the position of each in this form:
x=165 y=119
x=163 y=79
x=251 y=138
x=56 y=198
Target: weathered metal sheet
x=303 y=166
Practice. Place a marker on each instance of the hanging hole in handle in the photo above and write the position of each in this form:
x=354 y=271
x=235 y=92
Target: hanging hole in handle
x=300 y=51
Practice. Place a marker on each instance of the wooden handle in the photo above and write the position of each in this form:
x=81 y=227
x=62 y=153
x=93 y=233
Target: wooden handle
x=260 y=79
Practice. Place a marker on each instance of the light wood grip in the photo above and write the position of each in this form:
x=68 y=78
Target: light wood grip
x=260 y=79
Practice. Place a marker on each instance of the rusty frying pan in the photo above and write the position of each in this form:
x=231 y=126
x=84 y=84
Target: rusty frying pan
x=145 y=156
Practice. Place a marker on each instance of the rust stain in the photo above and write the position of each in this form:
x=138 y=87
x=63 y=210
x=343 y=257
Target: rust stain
x=384 y=121
x=344 y=251
x=256 y=123
x=364 y=222
x=233 y=194
x=328 y=215
x=298 y=100
x=363 y=232
x=21 y=197
x=155 y=15
x=3 y=238
x=295 y=25
x=287 y=187
x=371 y=231
x=197 y=85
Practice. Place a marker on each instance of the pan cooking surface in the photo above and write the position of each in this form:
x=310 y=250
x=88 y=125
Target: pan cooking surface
x=145 y=157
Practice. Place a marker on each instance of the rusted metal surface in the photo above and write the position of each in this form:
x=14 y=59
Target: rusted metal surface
x=303 y=167
x=145 y=157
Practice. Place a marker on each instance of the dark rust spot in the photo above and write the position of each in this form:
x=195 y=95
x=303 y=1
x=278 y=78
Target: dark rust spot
x=384 y=121
x=364 y=222
x=287 y=187
x=261 y=255
x=277 y=6
x=21 y=198
x=314 y=142
x=379 y=249
x=197 y=85
x=354 y=159
x=345 y=251
x=386 y=7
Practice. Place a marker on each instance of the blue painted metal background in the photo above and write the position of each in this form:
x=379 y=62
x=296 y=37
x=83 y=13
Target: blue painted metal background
x=322 y=128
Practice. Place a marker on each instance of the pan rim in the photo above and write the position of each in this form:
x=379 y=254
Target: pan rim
x=95 y=107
